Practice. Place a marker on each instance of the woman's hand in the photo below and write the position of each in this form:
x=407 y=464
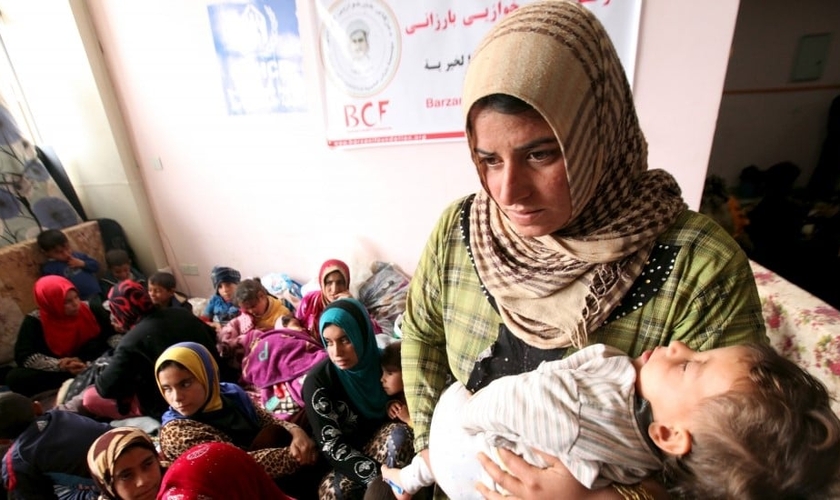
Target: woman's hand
x=526 y=482
x=302 y=447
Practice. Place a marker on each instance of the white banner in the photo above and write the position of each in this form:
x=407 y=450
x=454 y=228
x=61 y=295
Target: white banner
x=392 y=71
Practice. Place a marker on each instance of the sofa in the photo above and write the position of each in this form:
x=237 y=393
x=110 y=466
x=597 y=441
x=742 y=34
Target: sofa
x=20 y=268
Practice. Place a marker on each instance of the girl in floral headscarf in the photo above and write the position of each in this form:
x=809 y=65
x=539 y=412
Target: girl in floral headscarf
x=124 y=464
x=55 y=342
x=149 y=332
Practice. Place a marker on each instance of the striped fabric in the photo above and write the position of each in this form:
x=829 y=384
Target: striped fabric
x=591 y=427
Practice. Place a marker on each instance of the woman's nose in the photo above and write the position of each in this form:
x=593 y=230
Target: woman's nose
x=513 y=185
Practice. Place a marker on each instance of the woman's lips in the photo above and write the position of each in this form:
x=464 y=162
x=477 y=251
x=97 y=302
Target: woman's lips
x=523 y=216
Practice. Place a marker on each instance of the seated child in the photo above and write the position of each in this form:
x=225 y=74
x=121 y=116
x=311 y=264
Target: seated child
x=48 y=455
x=732 y=422
x=258 y=310
x=119 y=268
x=221 y=308
x=162 y=291
x=413 y=477
x=78 y=267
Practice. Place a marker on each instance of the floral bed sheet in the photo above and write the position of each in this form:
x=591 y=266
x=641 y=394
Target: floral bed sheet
x=801 y=327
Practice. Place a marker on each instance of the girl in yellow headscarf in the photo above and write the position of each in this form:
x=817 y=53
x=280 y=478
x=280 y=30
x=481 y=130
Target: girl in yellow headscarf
x=204 y=410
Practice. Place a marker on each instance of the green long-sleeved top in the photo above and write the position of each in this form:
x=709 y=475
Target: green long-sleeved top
x=708 y=300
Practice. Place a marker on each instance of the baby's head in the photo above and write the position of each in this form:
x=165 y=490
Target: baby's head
x=225 y=281
x=391 y=360
x=119 y=263
x=16 y=413
x=55 y=245
x=161 y=288
x=290 y=322
x=770 y=428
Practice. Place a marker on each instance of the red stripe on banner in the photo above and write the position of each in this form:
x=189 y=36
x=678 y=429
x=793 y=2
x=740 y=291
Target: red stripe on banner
x=394 y=139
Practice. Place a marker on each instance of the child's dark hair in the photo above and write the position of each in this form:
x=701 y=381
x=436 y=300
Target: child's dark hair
x=248 y=291
x=16 y=413
x=772 y=432
x=51 y=239
x=164 y=279
x=117 y=257
x=378 y=489
x=391 y=358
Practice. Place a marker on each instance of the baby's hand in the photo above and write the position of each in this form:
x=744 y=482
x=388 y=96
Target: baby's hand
x=392 y=477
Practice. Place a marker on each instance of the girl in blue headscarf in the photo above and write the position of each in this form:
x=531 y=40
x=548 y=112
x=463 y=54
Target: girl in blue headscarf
x=346 y=405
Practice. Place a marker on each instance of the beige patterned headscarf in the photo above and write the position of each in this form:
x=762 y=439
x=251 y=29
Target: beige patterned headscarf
x=553 y=290
x=104 y=452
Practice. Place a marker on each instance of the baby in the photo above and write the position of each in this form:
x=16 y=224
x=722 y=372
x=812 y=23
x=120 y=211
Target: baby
x=619 y=419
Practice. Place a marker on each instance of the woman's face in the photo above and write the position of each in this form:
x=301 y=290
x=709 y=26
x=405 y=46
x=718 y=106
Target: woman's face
x=523 y=167
x=184 y=393
x=334 y=285
x=72 y=303
x=341 y=350
x=137 y=474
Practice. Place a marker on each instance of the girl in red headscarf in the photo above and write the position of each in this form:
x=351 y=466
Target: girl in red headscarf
x=56 y=341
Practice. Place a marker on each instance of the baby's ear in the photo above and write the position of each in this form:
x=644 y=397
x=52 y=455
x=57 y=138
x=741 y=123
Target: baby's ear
x=672 y=440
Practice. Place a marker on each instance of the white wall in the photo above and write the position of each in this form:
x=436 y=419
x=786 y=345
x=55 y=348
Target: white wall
x=78 y=119
x=764 y=117
x=264 y=193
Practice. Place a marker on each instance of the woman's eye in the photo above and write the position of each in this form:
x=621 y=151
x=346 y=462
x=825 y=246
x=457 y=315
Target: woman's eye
x=541 y=155
x=490 y=161
x=685 y=365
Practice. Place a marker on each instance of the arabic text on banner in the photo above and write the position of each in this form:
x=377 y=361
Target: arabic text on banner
x=391 y=71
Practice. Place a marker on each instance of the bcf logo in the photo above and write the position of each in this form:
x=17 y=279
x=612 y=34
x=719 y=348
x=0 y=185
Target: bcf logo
x=368 y=114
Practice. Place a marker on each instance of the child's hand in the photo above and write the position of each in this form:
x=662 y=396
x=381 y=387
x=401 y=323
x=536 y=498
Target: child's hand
x=74 y=262
x=397 y=410
x=392 y=476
